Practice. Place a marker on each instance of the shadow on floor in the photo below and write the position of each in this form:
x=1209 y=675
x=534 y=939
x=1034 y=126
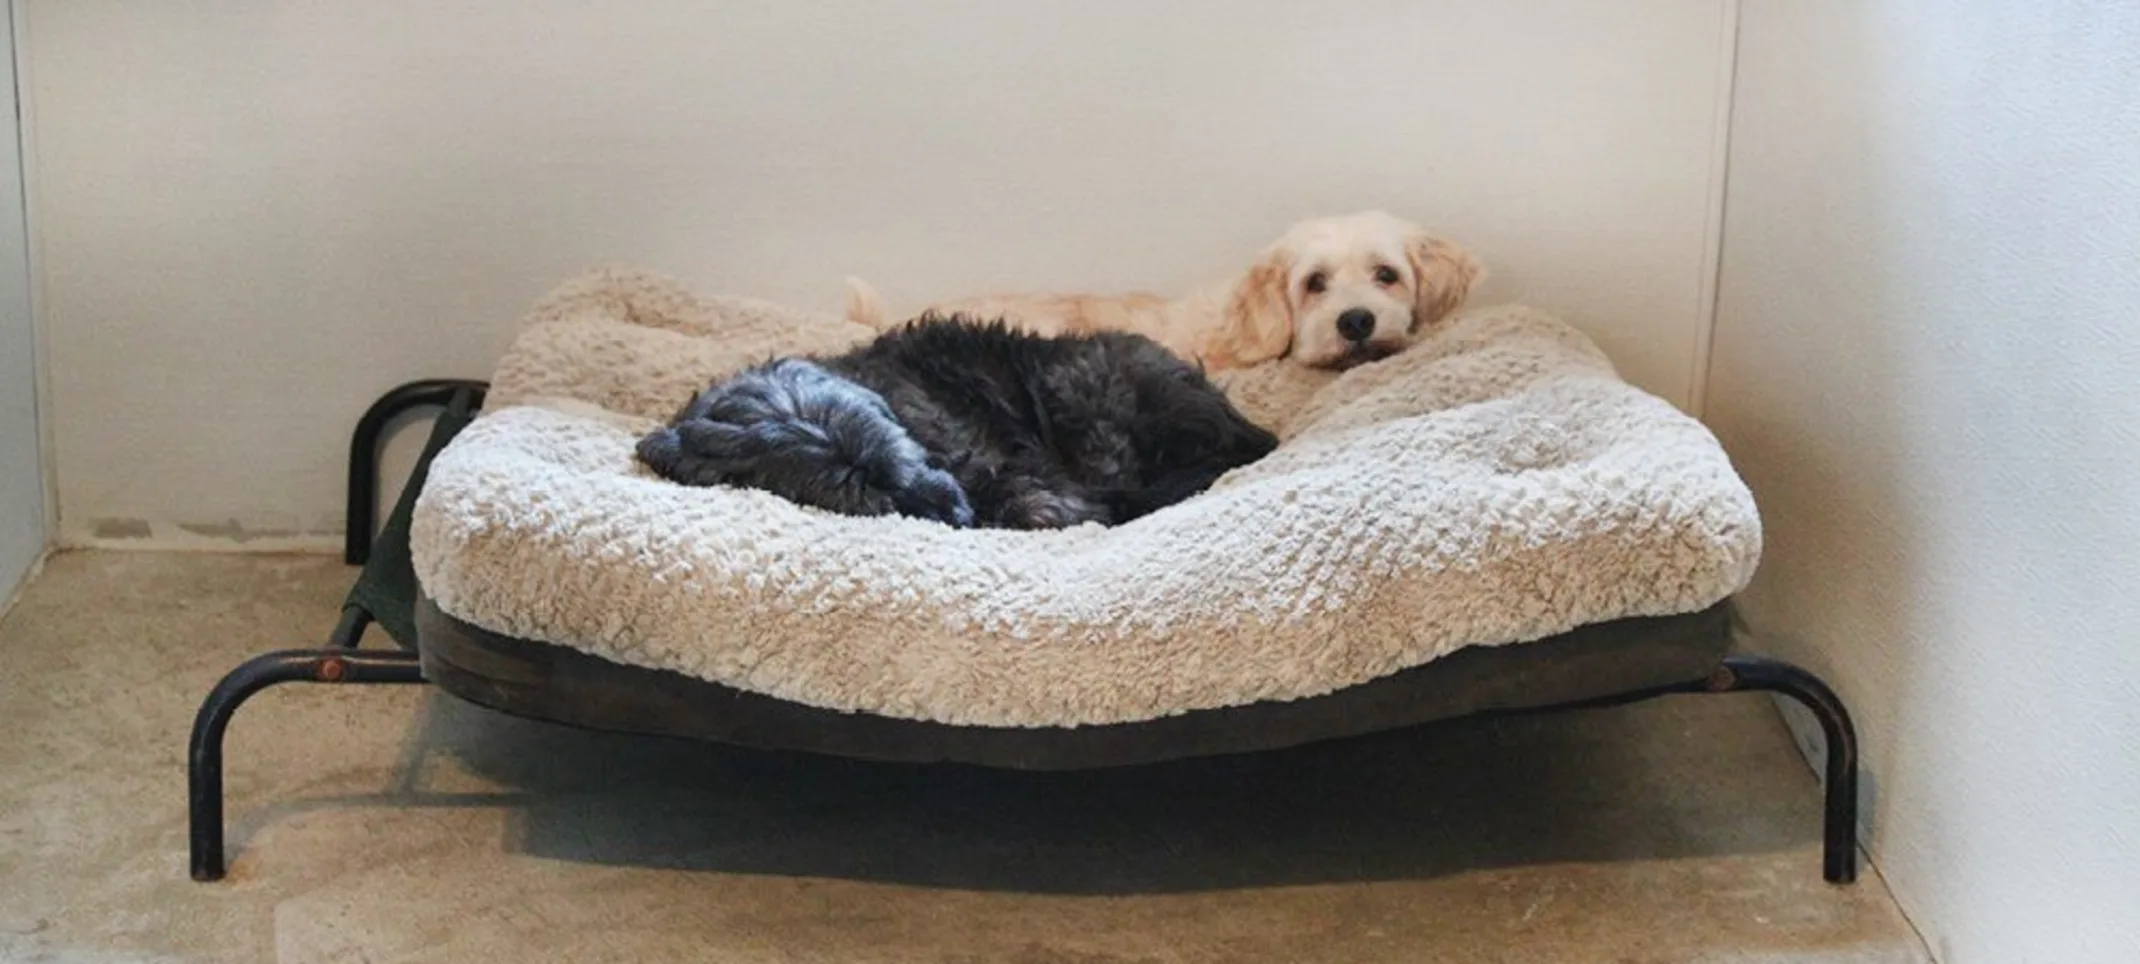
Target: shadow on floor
x=1682 y=777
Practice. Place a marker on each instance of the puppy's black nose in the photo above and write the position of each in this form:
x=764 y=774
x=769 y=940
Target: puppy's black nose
x=1356 y=324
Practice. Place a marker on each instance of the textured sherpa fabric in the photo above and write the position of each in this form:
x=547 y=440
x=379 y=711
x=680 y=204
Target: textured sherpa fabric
x=1498 y=483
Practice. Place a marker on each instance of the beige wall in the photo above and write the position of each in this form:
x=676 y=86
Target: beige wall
x=1927 y=364
x=254 y=216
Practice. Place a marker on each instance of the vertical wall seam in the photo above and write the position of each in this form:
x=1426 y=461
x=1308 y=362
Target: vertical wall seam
x=1712 y=268
x=40 y=346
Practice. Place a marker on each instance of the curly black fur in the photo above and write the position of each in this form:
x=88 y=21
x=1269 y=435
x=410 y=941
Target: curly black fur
x=967 y=423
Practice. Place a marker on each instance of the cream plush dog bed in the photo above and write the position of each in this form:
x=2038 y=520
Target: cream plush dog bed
x=1494 y=485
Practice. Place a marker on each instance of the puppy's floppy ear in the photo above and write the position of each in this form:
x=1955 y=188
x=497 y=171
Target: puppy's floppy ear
x=1446 y=274
x=1257 y=323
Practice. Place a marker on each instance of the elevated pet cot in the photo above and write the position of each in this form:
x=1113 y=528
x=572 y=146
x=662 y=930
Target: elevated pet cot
x=1613 y=536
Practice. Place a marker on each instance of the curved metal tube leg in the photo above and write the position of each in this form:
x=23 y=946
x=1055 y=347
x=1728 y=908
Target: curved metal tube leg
x=1839 y=858
x=364 y=452
x=349 y=630
x=204 y=758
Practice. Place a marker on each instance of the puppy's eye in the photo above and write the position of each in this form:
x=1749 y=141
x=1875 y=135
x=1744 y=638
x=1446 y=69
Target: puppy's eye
x=1386 y=275
x=1315 y=283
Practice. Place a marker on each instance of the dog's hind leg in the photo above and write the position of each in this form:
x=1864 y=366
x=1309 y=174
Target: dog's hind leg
x=1030 y=504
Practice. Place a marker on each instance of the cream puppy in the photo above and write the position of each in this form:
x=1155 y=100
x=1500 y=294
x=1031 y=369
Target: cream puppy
x=1330 y=293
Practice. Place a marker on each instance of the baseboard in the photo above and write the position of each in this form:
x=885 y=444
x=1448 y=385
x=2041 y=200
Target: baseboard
x=164 y=537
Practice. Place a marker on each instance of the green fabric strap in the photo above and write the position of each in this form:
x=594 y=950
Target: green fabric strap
x=387 y=587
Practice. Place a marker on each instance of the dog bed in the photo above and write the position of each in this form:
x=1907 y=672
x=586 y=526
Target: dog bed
x=1491 y=523
x=1496 y=485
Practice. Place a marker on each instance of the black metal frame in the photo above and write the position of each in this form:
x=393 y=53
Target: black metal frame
x=204 y=756
x=349 y=630
x=341 y=663
x=1839 y=810
x=364 y=453
x=1839 y=782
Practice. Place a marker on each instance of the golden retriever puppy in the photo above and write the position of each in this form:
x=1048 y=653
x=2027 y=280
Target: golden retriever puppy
x=1331 y=293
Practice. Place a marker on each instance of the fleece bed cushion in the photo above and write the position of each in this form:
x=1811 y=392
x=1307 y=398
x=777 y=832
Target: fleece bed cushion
x=1496 y=484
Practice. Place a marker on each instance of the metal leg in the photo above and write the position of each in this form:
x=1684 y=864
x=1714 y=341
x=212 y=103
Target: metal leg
x=204 y=775
x=1839 y=858
x=349 y=630
x=364 y=451
x=1742 y=674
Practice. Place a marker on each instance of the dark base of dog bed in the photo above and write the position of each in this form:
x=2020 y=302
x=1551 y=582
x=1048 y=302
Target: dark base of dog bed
x=559 y=684
x=1596 y=665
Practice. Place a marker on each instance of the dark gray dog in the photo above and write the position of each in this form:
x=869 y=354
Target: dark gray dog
x=967 y=423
